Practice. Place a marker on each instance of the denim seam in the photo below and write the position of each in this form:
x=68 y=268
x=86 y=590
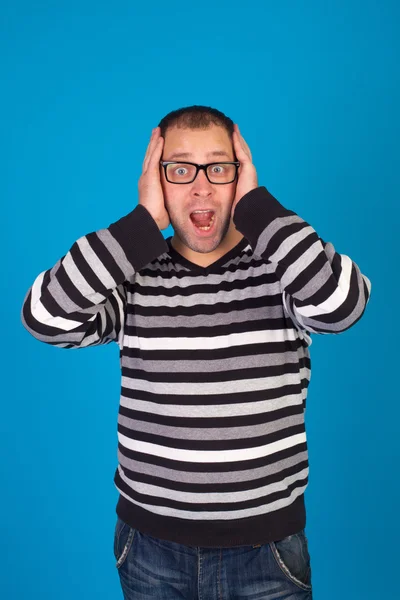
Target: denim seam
x=117 y=534
x=286 y=571
x=127 y=547
x=199 y=574
x=219 y=575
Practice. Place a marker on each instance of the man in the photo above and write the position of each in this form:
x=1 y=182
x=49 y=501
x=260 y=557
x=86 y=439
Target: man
x=213 y=326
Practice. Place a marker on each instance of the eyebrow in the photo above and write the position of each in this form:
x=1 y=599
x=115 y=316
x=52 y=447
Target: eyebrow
x=188 y=154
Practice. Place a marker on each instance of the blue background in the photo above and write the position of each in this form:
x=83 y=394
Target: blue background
x=314 y=87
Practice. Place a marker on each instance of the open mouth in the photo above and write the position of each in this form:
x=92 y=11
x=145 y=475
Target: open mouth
x=203 y=222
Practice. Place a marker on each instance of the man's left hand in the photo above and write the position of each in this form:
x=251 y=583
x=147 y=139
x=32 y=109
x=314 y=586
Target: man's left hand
x=247 y=175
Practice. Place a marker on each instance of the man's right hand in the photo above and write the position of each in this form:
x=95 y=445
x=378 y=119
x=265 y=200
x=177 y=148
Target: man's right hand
x=150 y=190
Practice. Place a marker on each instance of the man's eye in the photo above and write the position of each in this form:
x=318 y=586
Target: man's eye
x=181 y=170
x=215 y=167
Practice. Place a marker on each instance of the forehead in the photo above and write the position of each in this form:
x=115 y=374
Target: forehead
x=195 y=141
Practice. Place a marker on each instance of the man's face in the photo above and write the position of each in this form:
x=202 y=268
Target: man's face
x=200 y=146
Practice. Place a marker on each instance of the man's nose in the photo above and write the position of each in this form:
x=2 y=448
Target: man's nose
x=201 y=185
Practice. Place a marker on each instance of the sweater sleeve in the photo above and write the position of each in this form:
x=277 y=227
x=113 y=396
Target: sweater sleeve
x=81 y=300
x=323 y=291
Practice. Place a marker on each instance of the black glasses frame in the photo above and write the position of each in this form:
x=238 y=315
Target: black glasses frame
x=165 y=163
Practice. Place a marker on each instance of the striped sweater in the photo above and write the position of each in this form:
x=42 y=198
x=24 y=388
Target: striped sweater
x=215 y=364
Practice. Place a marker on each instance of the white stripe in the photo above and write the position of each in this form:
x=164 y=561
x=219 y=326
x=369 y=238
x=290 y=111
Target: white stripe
x=210 y=343
x=336 y=299
x=41 y=314
x=216 y=456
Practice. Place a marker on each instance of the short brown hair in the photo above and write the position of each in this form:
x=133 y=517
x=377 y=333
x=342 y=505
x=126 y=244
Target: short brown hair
x=196 y=117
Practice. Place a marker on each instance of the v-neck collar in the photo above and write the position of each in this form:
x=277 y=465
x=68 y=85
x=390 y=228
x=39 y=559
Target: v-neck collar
x=213 y=267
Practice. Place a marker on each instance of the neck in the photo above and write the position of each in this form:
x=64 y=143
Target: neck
x=231 y=239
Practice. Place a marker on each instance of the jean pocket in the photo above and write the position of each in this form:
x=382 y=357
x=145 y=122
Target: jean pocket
x=123 y=538
x=293 y=558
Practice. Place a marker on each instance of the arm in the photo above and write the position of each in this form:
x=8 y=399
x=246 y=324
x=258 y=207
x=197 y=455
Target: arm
x=323 y=291
x=81 y=300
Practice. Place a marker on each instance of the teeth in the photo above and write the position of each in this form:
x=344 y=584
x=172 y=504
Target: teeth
x=201 y=211
x=210 y=225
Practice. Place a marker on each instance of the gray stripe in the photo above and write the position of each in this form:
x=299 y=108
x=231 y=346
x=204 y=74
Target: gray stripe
x=176 y=475
x=61 y=297
x=198 y=498
x=209 y=299
x=264 y=508
x=114 y=247
x=315 y=283
x=95 y=263
x=209 y=433
x=258 y=384
x=277 y=224
x=215 y=320
x=301 y=264
x=291 y=242
x=212 y=410
x=210 y=366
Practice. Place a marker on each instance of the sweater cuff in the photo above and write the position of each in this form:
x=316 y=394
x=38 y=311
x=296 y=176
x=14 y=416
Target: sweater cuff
x=255 y=211
x=139 y=236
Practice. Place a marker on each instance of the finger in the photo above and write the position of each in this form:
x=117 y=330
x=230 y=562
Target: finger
x=147 y=150
x=153 y=140
x=242 y=156
x=150 y=147
x=154 y=159
x=244 y=143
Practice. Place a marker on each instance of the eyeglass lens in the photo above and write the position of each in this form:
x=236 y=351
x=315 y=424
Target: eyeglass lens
x=185 y=173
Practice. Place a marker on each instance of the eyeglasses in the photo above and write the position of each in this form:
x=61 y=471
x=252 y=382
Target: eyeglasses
x=186 y=172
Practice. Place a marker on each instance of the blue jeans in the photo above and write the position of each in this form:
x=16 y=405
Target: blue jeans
x=153 y=569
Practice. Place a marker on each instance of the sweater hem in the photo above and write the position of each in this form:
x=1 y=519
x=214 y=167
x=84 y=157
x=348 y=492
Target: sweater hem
x=258 y=530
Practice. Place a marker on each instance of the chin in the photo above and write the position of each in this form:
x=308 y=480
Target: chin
x=196 y=244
